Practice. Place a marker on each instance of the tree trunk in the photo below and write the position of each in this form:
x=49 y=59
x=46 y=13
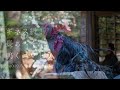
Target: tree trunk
x=14 y=16
x=4 y=70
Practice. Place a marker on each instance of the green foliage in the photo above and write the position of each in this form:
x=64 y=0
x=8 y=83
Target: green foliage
x=71 y=17
x=12 y=18
x=32 y=36
x=36 y=46
x=11 y=23
x=11 y=34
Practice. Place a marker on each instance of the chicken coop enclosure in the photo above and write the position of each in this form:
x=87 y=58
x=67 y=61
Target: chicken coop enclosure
x=102 y=27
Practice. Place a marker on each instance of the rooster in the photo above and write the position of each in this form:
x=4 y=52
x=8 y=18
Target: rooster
x=69 y=55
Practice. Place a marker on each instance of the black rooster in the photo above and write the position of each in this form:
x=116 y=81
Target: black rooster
x=70 y=55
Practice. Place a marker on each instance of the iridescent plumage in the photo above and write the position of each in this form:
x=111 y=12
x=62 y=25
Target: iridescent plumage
x=69 y=55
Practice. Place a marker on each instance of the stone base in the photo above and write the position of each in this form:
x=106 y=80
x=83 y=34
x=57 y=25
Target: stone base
x=117 y=77
x=76 y=75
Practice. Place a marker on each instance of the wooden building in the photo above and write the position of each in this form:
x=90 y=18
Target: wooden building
x=98 y=28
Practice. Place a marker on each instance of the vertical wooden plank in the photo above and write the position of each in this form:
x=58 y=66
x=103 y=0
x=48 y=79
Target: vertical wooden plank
x=87 y=34
x=93 y=29
x=96 y=32
x=83 y=27
x=89 y=29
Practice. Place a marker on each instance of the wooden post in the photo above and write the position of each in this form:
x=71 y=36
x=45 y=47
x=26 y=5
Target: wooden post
x=87 y=34
x=83 y=27
x=90 y=28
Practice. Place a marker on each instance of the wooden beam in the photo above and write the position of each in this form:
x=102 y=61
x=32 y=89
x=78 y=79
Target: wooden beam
x=83 y=27
x=106 y=13
x=87 y=33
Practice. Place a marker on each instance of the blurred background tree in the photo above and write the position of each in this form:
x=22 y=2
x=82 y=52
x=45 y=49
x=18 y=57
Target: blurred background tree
x=23 y=32
x=4 y=70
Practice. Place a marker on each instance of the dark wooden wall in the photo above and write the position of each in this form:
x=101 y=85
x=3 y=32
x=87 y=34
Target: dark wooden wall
x=87 y=27
x=88 y=32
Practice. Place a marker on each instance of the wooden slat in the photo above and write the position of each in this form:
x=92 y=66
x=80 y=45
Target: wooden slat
x=106 y=13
